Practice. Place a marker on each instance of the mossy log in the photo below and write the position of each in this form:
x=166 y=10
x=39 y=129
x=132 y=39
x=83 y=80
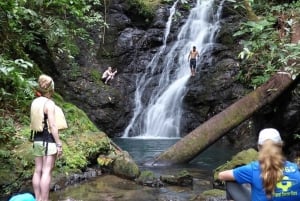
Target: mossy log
x=210 y=131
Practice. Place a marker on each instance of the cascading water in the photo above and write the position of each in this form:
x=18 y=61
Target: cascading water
x=160 y=116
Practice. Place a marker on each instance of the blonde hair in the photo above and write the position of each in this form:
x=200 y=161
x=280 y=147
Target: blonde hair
x=46 y=85
x=271 y=161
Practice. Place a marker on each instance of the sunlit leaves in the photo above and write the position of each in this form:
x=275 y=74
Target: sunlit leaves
x=290 y=58
x=104 y=160
x=245 y=54
x=58 y=22
x=23 y=64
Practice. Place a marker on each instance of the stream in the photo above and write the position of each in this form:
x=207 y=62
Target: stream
x=112 y=188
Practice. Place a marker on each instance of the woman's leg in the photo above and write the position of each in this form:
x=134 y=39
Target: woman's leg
x=237 y=192
x=48 y=164
x=107 y=79
x=36 y=179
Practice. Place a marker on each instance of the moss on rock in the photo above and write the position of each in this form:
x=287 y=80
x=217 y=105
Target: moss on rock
x=125 y=167
x=146 y=177
x=242 y=158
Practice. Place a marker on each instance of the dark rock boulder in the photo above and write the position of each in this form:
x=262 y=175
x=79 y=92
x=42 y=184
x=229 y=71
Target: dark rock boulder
x=183 y=178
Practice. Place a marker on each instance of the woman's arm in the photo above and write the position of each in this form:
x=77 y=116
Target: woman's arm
x=226 y=175
x=104 y=75
x=110 y=73
x=50 y=111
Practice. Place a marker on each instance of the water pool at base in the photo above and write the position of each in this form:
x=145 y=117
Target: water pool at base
x=112 y=188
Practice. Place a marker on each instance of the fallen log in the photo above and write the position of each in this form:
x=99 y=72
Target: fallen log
x=210 y=131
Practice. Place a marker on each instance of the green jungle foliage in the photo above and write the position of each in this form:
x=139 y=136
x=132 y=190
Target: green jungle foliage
x=31 y=26
x=28 y=26
x=34 y=26
x=267 y=47
x=145 y=9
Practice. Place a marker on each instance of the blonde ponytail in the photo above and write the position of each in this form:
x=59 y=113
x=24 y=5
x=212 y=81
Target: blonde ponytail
x=271 y=161
x=46 y=85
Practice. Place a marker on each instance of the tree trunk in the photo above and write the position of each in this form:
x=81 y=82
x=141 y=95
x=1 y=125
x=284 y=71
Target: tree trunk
x=210 y=131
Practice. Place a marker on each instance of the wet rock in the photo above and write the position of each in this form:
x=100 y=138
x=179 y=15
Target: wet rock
x=242 y=158
x=211 y=195
x=147 y=178
x=61 y=181
x=184 y=178
x=125 y=167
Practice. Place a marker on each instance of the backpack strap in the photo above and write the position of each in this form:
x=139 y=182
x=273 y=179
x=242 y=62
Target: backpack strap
x=46 y=132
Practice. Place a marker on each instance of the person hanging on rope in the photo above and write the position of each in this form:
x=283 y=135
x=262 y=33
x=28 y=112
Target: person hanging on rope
x=192 y=59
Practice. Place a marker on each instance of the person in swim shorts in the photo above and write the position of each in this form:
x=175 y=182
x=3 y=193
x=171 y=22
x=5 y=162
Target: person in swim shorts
x=192 y=59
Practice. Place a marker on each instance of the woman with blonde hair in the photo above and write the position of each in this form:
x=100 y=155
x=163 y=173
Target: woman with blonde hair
x=46 y=120
x=272 y=177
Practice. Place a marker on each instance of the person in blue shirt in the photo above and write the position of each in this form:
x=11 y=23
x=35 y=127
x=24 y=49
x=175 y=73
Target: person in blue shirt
x=271 y=177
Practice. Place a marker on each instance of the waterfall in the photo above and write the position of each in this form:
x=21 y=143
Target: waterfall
x=159 y=117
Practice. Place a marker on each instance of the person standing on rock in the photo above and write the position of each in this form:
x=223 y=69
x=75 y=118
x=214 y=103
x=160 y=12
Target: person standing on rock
x=108 y=75
x=192 y=59
x=272 y=177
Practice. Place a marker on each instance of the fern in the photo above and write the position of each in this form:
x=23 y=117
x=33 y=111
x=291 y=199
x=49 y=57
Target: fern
x=4 y=153
x=15 y=84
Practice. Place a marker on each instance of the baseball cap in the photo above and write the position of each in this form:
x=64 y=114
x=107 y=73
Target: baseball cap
x=269 y=134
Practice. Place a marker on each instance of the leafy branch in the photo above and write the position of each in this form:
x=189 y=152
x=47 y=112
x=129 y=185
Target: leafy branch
x=265 y=50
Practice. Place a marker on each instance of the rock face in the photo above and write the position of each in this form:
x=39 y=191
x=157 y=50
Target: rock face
x=129 y=45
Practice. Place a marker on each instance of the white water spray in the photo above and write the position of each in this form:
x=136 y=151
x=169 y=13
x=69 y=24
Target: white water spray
x=160 y=116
